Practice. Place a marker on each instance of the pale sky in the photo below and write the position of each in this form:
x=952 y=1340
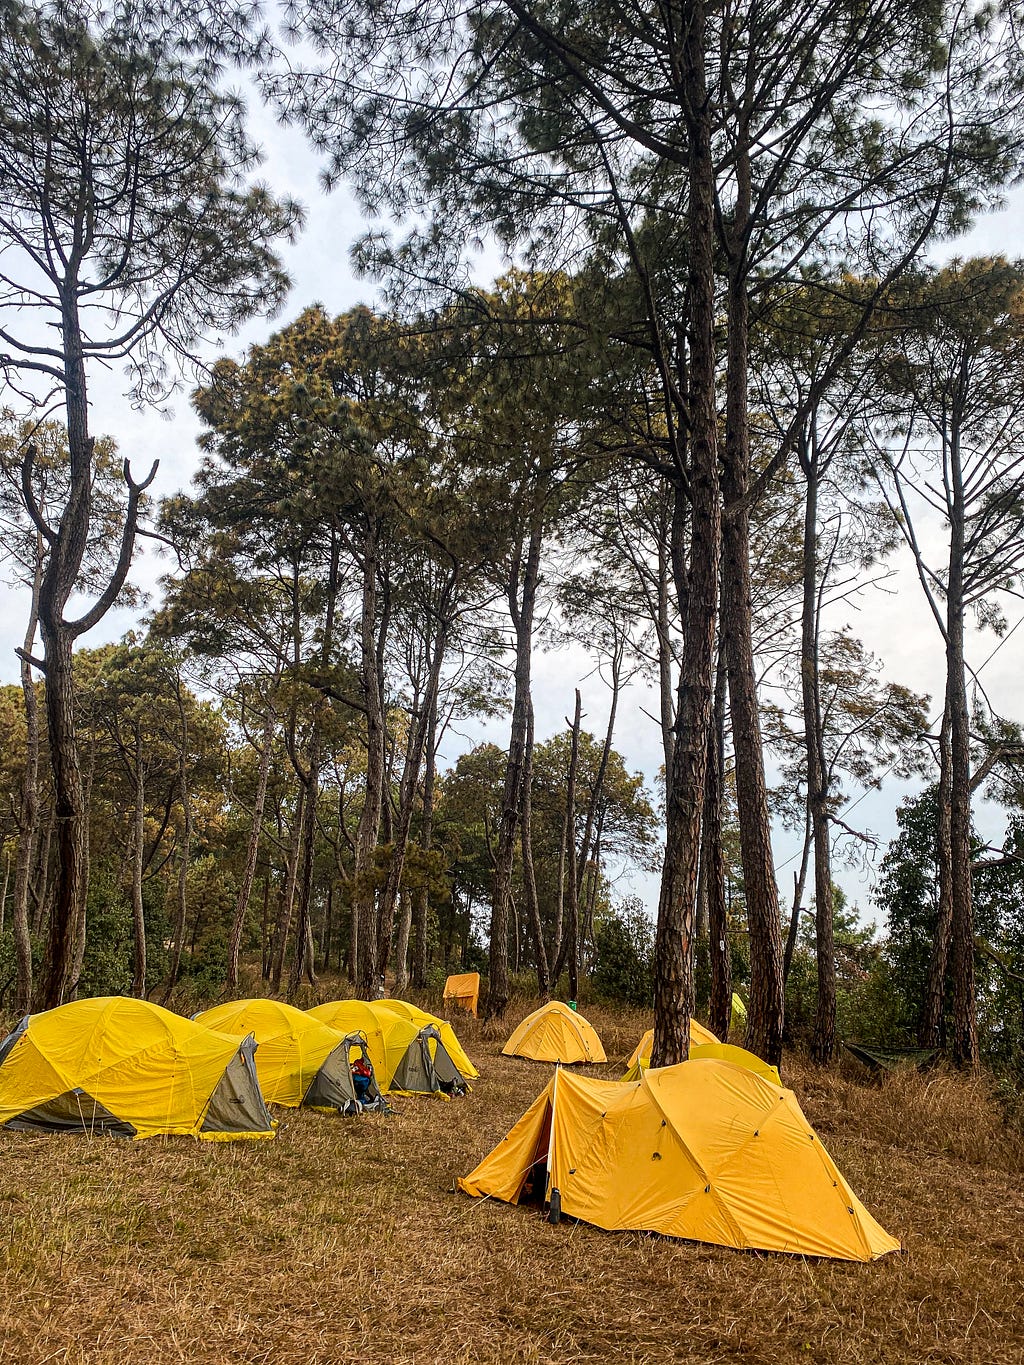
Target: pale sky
x=896 y=625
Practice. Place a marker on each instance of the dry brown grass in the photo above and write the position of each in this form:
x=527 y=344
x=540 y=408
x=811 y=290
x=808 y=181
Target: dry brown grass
x=344 y=1241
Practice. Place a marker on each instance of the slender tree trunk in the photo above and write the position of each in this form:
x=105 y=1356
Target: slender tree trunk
x=569 y=954
x=824 y=1040
x=929 y=1033
x=364 y=901
x=138 y=854
x=28 y=813
x=303 y=965
x=529 y=871
x=252 y=849
x=422 y=897
x=498 y=986
x=698 y=593
x=965 y=1023
x=720 y=959
x=402 y=943
x=287 y=899
x=766 y=1007
x=185 y=860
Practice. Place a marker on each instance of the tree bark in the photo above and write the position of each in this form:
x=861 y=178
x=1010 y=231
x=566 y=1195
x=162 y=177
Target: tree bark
x=713 y=852
x=364 y=897
x=138 y=855
x=929 y=1033
x=698 y=591
x=529 y=870
x=287 y=898
x=252 y=850
x=766 y=1006
x=28 y=812
x=521 y=611
x=422 y=897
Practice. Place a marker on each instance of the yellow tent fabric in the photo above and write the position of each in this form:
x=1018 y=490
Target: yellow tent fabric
x=118 y=1065
x=722 y=1052
x=555 y=1033
x=292 y=1046
x=422 y=1019
x=640 y=1061
x=407 y=1058
x=463 y=990
x=705 y=1150
x=738 y=1012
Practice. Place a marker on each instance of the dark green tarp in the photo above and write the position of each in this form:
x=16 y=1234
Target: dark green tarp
x=893 y=1058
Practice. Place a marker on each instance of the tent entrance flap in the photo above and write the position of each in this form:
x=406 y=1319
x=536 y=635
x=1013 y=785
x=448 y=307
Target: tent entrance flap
x=237 y=1104
x=72 y=1112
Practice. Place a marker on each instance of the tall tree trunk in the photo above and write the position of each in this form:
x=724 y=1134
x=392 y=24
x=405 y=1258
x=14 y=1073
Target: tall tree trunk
x=422 y=896
x=303 y=965
x=498 y=987
x=529 y=870
x=569 y=953
x=824 y=1040
x=252 y=850
x=287 y=898
x=364 y=900
x=766 y=1007
x=698 y=592
x=713 y=851
x=28 y=812
x=138 y=855
x=965 y=1023
x=79 y=958
x=929 y=1033
x=185 y=793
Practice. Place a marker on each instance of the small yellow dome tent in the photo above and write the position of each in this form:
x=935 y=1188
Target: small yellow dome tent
x=722 y=1052
x=555 y=1033
x=463 y=990
x=131 y=1069
x=422 y=1019
x=299 y=1060
x=705 y=1150
x=407 y=1060
x=640 y=1061
x=737 y=1013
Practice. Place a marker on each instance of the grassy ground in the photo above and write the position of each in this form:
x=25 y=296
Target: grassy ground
x=345 y=1241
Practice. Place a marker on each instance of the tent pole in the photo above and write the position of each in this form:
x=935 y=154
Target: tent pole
x=554 y=1196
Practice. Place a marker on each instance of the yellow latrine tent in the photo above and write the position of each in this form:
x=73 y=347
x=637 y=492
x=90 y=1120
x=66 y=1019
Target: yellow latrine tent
x=131 y=1069
x=555 y=1033
x=422 y=1019
x=463 y=990
x=299 y=1060
x=640 y=1061
x=407 y=1059
x=705 y=1150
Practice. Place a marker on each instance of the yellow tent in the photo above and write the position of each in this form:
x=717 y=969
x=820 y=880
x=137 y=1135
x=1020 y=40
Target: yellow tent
x=132 y=1069
x=299 y=1060
x=722 y=1052
x=640 y=1061
x=555 y=1033
x=704 y=1150
x=424 y=1020
x=463 y=990
x=407 y=1059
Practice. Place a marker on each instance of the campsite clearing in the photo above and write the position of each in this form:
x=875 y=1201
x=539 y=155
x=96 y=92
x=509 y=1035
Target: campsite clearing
x=343 y=1241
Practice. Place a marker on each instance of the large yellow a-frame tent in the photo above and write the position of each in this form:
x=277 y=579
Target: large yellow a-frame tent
x=422 y=1019
x=129 y=1068
x=299 y=1060
x=555 y=1033
x=705 y=1150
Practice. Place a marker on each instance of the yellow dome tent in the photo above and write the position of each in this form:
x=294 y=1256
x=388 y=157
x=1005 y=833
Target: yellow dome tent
x=407 y=1060
x=131 y=1069
x=299 y=1060
x=422 y=1019
x=640 y=1061
x=463 y=990
x=555 y=1033
x=721 y=1052
x=705 y=1150
x=737 y=1013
